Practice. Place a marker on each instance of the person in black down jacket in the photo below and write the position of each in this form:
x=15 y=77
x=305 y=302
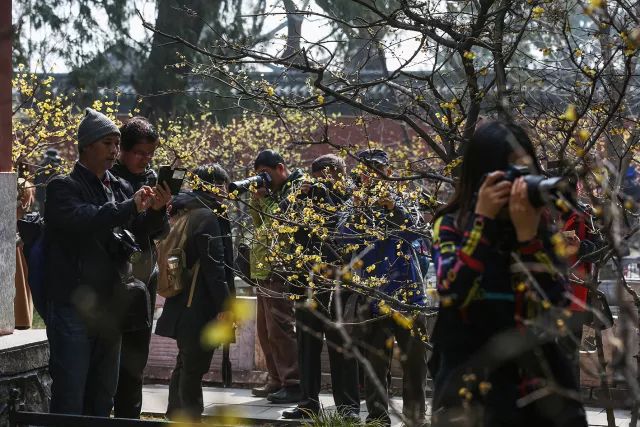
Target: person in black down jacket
x=138 y=145
x=327 y=198
x=87 y=267
x=496 y=361
x=208 y=241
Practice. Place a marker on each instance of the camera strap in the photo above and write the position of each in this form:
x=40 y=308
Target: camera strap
x=194 y=280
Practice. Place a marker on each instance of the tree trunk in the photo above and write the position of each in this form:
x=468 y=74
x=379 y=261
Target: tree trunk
x=294 y=29
x=161 y=86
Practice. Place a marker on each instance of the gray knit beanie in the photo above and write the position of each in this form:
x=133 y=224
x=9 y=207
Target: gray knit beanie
x=94 y=126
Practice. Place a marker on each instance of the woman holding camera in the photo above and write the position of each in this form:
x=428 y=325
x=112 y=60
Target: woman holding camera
x=495 y=359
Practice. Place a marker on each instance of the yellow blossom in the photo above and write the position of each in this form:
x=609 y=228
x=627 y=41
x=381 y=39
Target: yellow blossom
x=537 y=12
x=217 y=332
x=484 y=387
x=570 y=114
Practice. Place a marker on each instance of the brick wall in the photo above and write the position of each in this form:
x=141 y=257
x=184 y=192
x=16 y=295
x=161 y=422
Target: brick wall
x=163 y=352
x=247 y=360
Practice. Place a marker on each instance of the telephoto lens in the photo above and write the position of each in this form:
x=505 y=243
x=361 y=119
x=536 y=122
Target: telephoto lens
x=263 y=179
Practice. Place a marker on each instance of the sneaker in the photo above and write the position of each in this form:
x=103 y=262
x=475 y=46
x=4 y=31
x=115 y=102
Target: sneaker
x=264 y=390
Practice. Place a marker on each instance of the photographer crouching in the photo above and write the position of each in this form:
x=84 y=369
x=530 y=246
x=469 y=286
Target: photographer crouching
x=91 y=220
x=496 y=361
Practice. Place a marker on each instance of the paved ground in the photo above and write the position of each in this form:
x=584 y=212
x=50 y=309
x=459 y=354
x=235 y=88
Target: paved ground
x=239 y=402
x=234 y=401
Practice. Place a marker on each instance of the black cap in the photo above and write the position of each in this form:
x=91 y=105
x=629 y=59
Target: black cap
x=51 y=152
x=374 y=155
x=330 y=161
x=268 y=158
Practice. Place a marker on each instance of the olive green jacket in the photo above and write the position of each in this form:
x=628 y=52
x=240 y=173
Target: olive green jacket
x=263 y=212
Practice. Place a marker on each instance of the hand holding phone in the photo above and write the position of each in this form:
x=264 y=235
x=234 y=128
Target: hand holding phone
x=172 y=177
x=161 y=197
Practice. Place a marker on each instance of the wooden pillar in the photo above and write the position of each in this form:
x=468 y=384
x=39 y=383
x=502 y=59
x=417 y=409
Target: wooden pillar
x=5 y=86
x=7 y=178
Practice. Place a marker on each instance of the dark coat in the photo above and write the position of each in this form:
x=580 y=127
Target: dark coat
x=403 y=281
x=148 y=177
x=146 y=269
x=324 y=196
x=208 y=240
x=479 y=329
x=474 y=277
x=82 y=263
x=137 y=181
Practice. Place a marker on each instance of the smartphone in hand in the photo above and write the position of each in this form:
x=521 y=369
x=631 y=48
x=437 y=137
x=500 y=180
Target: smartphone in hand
x=174 y=177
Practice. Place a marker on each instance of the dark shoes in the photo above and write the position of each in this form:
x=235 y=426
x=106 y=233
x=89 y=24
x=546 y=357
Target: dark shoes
x=351 y=417
x=299 y=413
x=302 y=413
x=265 y=390
x=291 y=394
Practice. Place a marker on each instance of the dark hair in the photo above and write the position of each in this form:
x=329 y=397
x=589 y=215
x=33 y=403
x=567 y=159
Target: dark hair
x=137 y=130
x=212 y=174
x=268 y=158
x=330 y=161
x=488 y=151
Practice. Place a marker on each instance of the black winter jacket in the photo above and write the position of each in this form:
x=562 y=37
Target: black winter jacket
x=146 y=270
x=209 y=240
x=83 y=265
x=148 y=177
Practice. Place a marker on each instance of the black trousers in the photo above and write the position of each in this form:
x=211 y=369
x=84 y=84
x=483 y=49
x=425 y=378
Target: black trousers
x=185 y=387
x=83 y=363
x=127 y=402
x=414 y=369
x=310 y=330
x=134 y=352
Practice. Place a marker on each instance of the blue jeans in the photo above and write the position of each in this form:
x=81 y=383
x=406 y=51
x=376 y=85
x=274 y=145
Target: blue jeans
x=83 y=364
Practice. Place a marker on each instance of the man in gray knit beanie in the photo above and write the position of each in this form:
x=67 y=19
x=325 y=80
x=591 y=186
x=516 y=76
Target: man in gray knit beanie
x=86 y=214
x=94 y=126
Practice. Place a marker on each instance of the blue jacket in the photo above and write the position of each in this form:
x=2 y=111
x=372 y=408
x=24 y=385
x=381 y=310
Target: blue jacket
x=392 y=257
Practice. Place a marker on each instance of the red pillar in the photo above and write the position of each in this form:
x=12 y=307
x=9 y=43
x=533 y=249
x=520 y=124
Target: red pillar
x=6 y=70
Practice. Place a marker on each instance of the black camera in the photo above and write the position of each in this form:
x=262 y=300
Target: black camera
x=261 y=180
x=125 y=246
x=317 y=191
x=541 y=190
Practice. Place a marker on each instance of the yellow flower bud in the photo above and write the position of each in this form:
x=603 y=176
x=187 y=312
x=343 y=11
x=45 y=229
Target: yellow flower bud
x=484 y=387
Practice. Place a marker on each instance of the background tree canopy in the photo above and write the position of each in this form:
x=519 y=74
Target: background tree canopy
x=282 y=72
x=93 y=38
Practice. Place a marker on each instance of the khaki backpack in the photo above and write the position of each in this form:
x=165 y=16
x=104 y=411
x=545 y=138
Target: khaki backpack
x=173 y=274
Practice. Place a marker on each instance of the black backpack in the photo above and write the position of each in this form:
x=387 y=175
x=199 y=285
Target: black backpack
x=31 y=230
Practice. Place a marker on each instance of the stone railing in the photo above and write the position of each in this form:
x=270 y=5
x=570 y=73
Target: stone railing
x=24 y=363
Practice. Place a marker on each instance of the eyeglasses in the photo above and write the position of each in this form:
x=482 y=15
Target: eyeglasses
x=143 y=154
